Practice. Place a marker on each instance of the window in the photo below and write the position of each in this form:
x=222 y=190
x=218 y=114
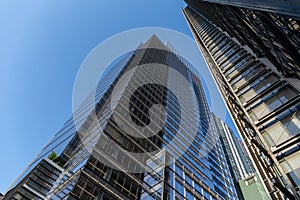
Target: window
x=179 y=187
x=292 y=123
x=206 y=195
x=189 y=195
x=259 y=86
x=188 y=180
x=283 y=130
x=250 y=181
x=178 y=170
x=272 y=103
x=291 y=167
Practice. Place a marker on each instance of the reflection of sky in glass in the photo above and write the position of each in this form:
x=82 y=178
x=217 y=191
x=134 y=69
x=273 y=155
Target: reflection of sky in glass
x=42 y=46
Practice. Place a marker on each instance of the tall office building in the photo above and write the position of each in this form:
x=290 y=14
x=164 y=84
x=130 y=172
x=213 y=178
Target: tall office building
x=253 y=55
x=183 y=160
x=241 y=168
x=238 y=159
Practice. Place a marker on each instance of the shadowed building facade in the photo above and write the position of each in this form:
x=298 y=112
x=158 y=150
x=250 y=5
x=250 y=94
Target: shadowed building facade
x=253 y=54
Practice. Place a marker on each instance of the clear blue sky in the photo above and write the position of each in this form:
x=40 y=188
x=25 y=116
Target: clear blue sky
x=42 y=44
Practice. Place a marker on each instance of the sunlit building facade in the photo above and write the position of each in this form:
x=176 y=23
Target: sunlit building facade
x=199 y=172
x=253 y=56
x=240 y=164
x=238 y=158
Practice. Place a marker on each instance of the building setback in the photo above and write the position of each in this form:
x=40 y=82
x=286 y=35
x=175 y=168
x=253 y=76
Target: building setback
x=253 y=55
x=199 y=173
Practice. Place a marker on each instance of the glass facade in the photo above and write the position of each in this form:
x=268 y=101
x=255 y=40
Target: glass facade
x=238 y=158
x=96 y=166
x=39 y=182
x=240 y=164
x=288 y=7
x=261 y=95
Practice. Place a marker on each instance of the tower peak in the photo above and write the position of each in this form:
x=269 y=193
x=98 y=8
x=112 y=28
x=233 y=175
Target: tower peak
x=154 y=42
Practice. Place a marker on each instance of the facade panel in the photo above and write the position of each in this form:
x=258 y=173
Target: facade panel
x=254 y=81
x=103 y=173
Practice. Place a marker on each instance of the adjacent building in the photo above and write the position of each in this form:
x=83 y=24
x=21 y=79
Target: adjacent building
x=181 y=163
x=246 y=181
x=252 y=188
x=238 y=159
x=252 y=51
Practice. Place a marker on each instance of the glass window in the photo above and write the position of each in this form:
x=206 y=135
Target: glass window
x=188 y=180
x=250 y=181
x=277 y=133
x=283 y=130
x=259 y=86
x=198 y=188
x=189 y=195
x=291 y=167
x=206 y=195
x=179 y=187
x=178 y=170
x=292 y=123
x=272 y=103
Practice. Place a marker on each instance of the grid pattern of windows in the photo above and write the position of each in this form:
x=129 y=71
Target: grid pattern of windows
x=191 y=176
x=261 y=97
x=38 y=183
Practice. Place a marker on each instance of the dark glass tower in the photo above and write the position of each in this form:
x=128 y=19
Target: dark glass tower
x=285 y=8
x=187 y=163
x=253 y=55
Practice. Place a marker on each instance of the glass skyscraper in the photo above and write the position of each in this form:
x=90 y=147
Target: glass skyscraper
x=240 y=164
x=115 y=155
x=237 y=156
x=253 y=55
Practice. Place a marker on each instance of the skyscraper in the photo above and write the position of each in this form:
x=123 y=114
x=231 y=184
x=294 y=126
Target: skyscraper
x=238 y=159
x=253 y=55
x=150 y=136
x=240 y=165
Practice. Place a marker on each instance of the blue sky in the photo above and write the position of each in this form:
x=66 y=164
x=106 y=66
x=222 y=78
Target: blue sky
x=42 y=46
